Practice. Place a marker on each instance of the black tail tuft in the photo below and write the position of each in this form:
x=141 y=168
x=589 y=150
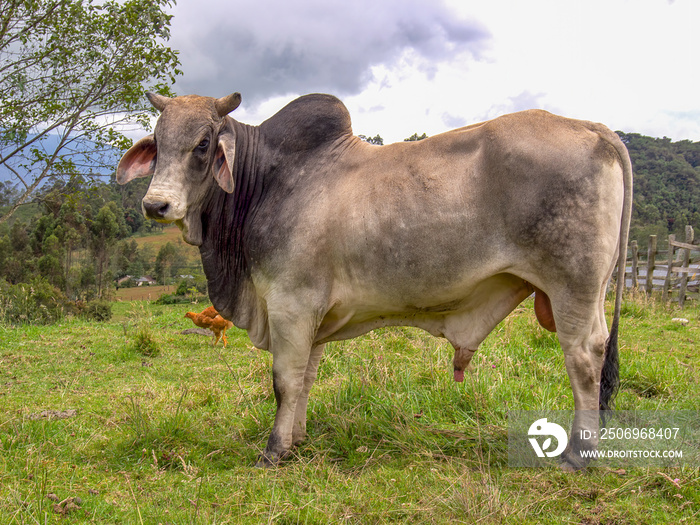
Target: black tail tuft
x=610 y=374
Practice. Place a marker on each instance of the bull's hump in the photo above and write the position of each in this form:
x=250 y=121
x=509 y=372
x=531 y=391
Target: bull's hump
x=307 y=123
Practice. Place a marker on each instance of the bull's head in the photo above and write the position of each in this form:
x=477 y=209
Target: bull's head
x=193 y=144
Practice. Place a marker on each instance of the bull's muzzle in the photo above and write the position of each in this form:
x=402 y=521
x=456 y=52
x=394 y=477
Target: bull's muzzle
x=156 y=209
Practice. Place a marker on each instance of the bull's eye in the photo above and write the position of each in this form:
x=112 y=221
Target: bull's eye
x=203 y=146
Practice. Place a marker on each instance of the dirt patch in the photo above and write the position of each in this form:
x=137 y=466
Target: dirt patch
x=54 y=414
x=197 y=331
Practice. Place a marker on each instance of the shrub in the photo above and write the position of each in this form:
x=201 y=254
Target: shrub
x=129 y=283
x=184 y=285
x=192 y=286
x=36 y=302
x=98 y=311
x=145 y=343
x=167 y=298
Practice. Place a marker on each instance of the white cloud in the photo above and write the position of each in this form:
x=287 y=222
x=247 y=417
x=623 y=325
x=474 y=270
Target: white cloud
x=277 y=47
x=405 y=66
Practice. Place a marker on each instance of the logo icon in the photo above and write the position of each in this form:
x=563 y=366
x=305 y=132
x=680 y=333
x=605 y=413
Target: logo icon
x=542 y=428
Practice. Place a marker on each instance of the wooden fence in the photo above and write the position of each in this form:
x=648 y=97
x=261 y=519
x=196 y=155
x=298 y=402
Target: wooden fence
x=671 y=271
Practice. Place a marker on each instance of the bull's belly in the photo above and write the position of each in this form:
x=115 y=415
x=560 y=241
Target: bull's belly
x=476 y=304
x=343 y=324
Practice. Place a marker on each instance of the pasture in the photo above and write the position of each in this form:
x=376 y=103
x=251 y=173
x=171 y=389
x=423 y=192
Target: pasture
x=95 y=428
x=170 y=233
x=143 y=293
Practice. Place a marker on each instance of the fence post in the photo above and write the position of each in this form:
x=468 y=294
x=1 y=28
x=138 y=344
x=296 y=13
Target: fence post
x=635 y=258
x=651 y=264
x=671 y=254
x=689 y=236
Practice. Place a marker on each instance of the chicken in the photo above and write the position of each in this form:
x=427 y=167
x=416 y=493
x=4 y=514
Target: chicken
x=209 y=312
x=210 y=318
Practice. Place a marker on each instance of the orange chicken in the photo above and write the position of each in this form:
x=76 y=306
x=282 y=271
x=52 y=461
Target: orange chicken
x=209 y=312
x=209 y=318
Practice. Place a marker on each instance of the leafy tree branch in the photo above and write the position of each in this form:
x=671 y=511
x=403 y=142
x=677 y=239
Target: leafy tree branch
x=72 y=78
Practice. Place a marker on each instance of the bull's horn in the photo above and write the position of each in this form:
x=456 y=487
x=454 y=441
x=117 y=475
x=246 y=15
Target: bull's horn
x=226 y=105
x=158 y=101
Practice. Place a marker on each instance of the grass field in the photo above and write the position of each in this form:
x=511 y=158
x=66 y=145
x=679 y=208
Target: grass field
x=96 y=430
x=143 y=293
x=170 y=233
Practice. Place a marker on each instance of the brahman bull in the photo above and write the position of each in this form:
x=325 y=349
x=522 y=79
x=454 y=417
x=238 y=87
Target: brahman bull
x=308 y=234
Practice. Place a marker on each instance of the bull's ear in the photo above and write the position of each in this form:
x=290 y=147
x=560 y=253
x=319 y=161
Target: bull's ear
x=223 y=163
x=139 y=161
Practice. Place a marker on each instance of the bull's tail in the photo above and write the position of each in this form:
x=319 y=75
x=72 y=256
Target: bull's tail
x=610 y=374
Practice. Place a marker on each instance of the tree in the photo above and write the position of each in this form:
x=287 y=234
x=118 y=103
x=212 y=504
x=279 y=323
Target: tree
x=129 y=260
x=72 y=77
x=5 y=251
x=49 y=263
x=377 y=140
x=72 y=234
x=105 y=229
x=416 y=137
x=8 y=194
x=19 y=260
x=165 y=262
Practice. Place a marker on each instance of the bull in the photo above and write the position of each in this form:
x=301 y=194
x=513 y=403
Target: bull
x=308 y=235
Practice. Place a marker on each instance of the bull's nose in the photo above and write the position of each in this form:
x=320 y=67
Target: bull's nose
x=156 y=209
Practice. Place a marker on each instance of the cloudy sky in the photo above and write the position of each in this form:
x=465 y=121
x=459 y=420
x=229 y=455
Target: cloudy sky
x=405 y=66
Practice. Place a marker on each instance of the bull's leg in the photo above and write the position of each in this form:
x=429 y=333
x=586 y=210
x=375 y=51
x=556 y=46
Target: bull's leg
x=299 y=429
x=582 y=334
x=291 y=353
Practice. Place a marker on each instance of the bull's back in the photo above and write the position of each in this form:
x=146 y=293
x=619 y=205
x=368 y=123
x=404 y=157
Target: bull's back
x=474 y=201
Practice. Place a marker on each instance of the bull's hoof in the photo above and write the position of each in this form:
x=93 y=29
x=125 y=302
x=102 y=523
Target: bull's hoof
x=270 y=459
x=568 y=467
x=298 y=438
x=265 y=462
x=572 y=462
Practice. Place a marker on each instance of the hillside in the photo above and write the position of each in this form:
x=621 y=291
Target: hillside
x=170 y=233
x=666 y=184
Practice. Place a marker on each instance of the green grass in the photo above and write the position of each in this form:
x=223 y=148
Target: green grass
x=173 y=438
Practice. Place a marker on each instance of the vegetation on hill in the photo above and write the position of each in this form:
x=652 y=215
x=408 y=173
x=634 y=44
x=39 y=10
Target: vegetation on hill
x=83 y=239
x=666 y=185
